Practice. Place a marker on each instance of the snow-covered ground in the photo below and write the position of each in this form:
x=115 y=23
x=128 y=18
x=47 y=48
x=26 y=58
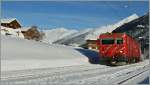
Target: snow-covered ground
x=11 y=32
x=18 y=54
x=87 y=74
x=141 y=79
x=25 y=62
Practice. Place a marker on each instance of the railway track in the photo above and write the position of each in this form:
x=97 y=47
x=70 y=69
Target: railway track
x=70 y=75
x=130 y=76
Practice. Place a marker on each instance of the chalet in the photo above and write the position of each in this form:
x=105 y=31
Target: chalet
x=92 y=44
x=10 y=23
x=32 y=33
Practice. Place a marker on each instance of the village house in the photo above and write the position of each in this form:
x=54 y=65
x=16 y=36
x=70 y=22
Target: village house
x=32 y=33
x=92 y=44
x=11 y=27
x=11 y=23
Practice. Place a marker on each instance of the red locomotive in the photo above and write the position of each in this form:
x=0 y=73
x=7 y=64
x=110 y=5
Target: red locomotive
x=118 y=48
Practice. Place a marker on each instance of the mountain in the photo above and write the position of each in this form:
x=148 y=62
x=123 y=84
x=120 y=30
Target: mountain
x=75 y=39
x=56 y=34
x=79 y=38
x=139 y=30
x=109 y=28
x=141 y=23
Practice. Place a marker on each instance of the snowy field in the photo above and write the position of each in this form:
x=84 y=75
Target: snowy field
x=27 y=62
x=19 y=54
x=88 y=74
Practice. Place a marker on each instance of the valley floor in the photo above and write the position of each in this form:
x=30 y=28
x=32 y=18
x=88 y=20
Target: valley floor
x=25 y=62
x=85 y=74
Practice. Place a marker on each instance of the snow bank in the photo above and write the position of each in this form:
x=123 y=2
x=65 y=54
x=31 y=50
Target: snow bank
x=18 y=54
x=11 y=32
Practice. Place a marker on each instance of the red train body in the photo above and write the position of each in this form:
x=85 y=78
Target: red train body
x=118 y=47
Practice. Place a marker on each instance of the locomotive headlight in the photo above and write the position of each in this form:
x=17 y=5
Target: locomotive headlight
x=121 y=51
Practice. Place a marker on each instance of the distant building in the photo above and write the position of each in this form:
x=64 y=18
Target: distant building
x=32 y=34
x=92 y=44
x=10 y=23
x=11 y=32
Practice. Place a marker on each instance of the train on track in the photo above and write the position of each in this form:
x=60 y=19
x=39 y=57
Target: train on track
x=118 y=48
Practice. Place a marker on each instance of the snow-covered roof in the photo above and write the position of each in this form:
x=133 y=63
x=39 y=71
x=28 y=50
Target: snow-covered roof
x=91 y=39
x=2 y=27
x=12 y=32
x=8 y=20
x=25 y=28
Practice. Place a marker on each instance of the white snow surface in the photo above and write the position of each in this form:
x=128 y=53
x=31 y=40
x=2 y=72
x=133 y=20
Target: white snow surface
x=109 y=28
x=79 y=33
x=18 y=54
x=8 y=20
x=87 y=74
x=75 y=39
x=56 y=34
x=12 y=32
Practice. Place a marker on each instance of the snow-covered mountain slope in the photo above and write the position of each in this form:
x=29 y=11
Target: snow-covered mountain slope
x=109 y=28
x=75 y=39
x=56 y=34
x=11 y=32
x=80 y=37
x=17 y=54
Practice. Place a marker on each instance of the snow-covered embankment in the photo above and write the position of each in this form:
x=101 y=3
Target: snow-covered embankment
x=20 y=54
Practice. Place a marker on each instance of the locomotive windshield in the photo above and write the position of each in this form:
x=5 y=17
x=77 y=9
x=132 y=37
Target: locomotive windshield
x=120 y=41
x=112 y=41
x=108 y=41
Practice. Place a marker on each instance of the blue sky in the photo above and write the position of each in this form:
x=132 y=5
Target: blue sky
x=71 y=15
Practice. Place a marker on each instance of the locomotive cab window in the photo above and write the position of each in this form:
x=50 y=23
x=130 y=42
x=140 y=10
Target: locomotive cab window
x=108 y=41
x=119 y=41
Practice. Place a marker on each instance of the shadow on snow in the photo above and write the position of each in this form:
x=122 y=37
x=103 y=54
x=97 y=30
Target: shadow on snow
x=145 y=81
x=92 y=56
